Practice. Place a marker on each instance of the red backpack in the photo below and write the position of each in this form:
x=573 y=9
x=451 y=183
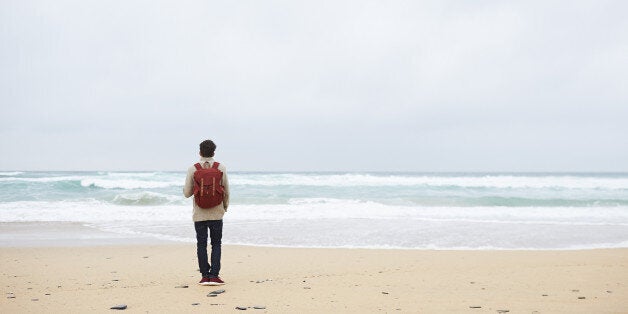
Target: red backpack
x=208 y=190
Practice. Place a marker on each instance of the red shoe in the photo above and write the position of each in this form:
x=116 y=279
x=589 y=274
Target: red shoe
x=205 y=281
x=215 y=281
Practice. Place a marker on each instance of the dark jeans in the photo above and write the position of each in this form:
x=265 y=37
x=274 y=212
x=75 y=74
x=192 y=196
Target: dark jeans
x=215 y=234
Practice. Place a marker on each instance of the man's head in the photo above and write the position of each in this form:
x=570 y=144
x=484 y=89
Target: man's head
x=207 y=148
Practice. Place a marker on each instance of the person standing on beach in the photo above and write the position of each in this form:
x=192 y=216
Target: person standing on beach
x=208 y=218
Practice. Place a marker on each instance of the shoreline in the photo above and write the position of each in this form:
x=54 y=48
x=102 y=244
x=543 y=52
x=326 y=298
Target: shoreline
x=71 y=234
x=300 y=280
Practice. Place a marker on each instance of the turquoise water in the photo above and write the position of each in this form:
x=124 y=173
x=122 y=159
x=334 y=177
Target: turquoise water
x=396 y=210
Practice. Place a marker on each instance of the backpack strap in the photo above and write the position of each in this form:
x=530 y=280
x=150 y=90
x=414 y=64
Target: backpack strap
x=198 y=166
x=215 y=165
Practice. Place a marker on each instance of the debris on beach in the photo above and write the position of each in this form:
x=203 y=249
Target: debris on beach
x=475 y=307
x=264 y=280
x=182 y=286
x=384 y=292
x=216 y=293
x=256 y=307
x=34 y=299
x=503 y=311
x=581 y=298
x=195 y=303
x=118 y=307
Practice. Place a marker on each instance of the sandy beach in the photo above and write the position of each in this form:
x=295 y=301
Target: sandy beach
x=151 y=279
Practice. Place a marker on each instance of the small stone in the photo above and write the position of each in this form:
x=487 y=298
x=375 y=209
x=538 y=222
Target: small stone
x=544 y=295
x=47 y=293
x=218 y=291
x=581 y=298
x=608 y=291
x=259 y=307
x=195 y=303
x=145 y=257
x=11 y=297
x=503 y=311
x=34 y=299
x=241 y=308
x=181 y=286
x=575 y=290
x=115 y=279
x=384 y=292
x=475 y=307
x=211 y=295
x=119 y=307
x=307 y=288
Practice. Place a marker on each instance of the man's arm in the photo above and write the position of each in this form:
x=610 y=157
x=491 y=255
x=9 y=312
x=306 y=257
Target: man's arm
x=188 y=188
x=225 y=184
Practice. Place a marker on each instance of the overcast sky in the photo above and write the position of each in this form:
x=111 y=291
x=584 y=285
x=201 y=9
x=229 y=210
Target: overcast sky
x=315 y=85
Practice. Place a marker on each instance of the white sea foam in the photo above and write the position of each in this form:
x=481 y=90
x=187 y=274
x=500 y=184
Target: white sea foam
x=44 y=179
x=129 y=184
x=145 y=198
x=302 y=209
x=488 y=181
x=10 y=173
x=131 y=174
x=90 y=211
x=329 y=222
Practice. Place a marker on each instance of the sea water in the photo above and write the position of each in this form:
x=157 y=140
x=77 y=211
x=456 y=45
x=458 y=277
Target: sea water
x=348 y=210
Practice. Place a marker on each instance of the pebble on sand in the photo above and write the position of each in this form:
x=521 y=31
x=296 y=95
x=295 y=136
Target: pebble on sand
x=182 y=286
x=119 y=307
x=581 y=298
x=216 y=293
x=259 y=307
x=195 y=303
x=241 y=308
x=475 y=307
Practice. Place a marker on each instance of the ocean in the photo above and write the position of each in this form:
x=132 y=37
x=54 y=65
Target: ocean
x=394 y=210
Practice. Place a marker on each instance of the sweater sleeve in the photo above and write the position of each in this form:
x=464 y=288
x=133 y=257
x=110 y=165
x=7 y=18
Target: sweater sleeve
x=188 y=188
x=225 y=184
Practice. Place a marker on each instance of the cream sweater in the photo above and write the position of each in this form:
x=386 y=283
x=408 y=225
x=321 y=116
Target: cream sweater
x=214 y=213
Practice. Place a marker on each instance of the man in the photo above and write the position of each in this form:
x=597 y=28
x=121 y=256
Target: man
x=208 y=218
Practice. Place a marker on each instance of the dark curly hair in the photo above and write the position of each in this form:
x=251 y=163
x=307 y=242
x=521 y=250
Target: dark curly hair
x=207 y=148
